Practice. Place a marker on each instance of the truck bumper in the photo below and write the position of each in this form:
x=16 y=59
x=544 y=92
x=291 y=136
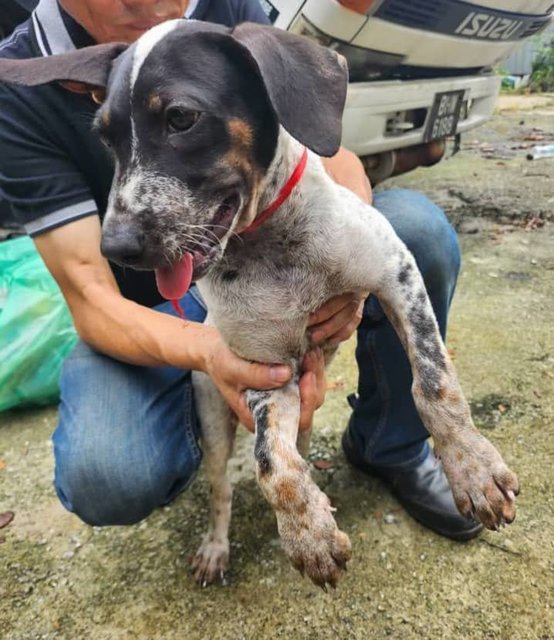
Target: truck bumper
x=379 y=116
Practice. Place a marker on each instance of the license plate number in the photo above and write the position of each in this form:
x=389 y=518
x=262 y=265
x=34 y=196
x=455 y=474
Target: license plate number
x=445 y=113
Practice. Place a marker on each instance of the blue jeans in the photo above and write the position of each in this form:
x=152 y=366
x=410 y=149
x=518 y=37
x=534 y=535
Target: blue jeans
x=127 y=438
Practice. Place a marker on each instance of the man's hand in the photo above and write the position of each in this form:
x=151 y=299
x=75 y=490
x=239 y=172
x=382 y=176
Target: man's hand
x=337 y=319
x=313 y=386
x=232 y=375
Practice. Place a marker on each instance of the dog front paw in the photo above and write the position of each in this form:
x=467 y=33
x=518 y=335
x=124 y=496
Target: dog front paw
x=313 y=542
x=211 y=561
x=482 y=485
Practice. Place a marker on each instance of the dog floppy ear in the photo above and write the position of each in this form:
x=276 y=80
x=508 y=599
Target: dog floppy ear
x=90 y=66
x=306 y=83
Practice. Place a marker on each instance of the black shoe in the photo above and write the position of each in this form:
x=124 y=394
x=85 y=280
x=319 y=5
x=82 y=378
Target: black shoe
x=424 y=492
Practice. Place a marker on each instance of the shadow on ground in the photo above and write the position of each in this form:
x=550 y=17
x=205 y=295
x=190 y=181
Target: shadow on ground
x=62 y=579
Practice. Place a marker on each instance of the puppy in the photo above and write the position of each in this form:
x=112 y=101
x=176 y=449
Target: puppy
x=207 y=126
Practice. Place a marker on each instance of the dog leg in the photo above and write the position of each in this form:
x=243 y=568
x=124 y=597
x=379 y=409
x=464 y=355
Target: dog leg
x=309 y=533
x=218 y=425
x=482 y=484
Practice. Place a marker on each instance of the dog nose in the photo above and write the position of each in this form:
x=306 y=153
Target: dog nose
x=125 y=245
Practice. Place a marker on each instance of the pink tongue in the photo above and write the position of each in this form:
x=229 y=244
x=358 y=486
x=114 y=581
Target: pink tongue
x=173 y=282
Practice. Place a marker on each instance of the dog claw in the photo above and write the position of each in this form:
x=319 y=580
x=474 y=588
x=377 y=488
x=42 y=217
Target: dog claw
x=210 y=562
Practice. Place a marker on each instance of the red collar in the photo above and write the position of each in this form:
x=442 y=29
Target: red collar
x=285 y=192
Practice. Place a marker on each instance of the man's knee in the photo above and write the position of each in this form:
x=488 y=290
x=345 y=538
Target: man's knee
x=126 y=441
x=425 y=230
x=116 y=487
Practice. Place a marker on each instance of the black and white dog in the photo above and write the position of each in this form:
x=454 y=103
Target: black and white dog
x=206 y=125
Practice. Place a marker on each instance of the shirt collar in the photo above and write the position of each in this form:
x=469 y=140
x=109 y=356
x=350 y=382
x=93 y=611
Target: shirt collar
x=57 y=32
x=50 y=29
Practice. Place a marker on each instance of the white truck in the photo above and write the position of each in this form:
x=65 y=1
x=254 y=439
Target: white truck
x=421 y=71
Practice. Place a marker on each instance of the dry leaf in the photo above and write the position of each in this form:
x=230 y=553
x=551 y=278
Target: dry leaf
x=323 y=465
x=6 y=518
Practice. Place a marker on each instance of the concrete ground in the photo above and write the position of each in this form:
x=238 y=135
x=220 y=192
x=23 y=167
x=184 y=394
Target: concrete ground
x=62 y=579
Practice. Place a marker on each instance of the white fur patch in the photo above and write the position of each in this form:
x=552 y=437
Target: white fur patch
x=147 y=42
x=128 y=191
x=144 y=46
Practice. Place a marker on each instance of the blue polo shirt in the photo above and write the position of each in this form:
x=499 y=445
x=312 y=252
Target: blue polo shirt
x=53 y=168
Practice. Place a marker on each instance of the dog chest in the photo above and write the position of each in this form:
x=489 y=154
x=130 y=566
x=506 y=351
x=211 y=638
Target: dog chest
x=261 y=307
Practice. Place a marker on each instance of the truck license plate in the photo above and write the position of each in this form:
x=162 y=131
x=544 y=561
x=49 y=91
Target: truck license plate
x=445 y=113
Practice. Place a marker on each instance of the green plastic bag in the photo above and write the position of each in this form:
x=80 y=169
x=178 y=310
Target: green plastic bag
x=36 y=330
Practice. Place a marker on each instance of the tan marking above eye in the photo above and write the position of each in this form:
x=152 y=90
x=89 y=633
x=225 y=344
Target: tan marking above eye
x=154 y=102
x=241 y=133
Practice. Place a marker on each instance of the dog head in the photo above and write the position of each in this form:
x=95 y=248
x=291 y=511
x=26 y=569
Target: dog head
x=192 y=115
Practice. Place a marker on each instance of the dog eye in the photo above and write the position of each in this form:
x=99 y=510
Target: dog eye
x=179 y=119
